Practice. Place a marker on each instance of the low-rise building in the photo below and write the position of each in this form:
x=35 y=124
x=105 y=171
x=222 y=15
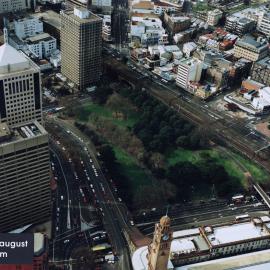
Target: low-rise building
x=143 y=7
x=161 y=7
x=176 y=23
x=148 y=31
x=213 y=17
x=239 y=26
x=260 y=71
x=27 y=27
x=250 y=48
x=206 y=243
x=41 y=45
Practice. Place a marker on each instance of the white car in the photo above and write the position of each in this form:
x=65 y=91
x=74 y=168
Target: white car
x=66 y=241
x=62 y=197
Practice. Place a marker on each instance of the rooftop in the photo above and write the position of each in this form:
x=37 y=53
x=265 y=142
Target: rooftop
x=81 y=15
x=143 y=5
x=50 y=17
x=236 y=232
x=40 y=37
x=12 y=60
x=24 y=132
x=251 y=42
x=259 y=260
x=4 y=130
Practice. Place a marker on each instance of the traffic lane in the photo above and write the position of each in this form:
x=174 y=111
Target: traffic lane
x=155 y=216
x=205 y=216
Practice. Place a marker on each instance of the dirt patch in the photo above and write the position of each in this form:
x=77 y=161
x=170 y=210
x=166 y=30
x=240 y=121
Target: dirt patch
x=263 y=128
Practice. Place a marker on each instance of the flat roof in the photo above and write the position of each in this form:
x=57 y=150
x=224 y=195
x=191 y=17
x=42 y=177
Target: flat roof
x=236 y=232
x=24 y=131
x=40 y=37
x=4 y=130
x=50 y=17
x=259 y=260
x=91 y=18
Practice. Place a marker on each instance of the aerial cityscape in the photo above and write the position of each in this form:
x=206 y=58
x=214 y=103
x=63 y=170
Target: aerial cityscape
x=135 y=134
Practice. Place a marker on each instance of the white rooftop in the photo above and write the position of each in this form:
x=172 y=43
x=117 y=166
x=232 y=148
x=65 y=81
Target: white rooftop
x=259 y=260
x=178 y=234
x=185 y=245
x=234 y=233
x=139 y=260
x=11 y=60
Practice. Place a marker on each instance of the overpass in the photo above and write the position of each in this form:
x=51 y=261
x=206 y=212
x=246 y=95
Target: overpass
x=262 y=193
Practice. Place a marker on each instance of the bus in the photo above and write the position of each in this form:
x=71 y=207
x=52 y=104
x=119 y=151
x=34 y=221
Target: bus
x=241 y=217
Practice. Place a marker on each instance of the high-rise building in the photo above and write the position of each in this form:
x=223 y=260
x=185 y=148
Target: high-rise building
x=189 y=70
x=159 y=249
x=20 y=89
x=81 y=45
x=25 y=175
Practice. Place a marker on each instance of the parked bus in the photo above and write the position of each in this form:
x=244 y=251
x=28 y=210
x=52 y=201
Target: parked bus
x=241 y=217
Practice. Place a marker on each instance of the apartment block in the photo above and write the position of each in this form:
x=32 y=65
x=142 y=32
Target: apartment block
x=25 y=175
x=260 y=71
x=20 y=89
x=188 y=70
x=15 y=5
x=81 y=45
x=250 y=48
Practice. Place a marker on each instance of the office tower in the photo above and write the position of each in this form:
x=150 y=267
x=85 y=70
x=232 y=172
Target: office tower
x=20 y=90
x=81 y=45
x=24 y=175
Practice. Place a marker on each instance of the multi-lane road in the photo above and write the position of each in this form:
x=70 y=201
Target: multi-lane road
x=111 y=210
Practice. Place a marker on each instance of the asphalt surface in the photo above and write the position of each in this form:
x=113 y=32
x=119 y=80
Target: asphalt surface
x=112 y=212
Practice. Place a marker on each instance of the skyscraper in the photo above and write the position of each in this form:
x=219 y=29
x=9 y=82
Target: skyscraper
x=81 y=45
x=24 y=175
x=25 y=196
x=20 y=90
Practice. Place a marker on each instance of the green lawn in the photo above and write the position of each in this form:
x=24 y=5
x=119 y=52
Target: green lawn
x=93 y=109
x=231 y=167
x=136 y=175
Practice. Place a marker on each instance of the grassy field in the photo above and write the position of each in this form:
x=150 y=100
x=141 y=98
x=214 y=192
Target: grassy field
x=228 y=163
x=93 y=109
x=136 y=175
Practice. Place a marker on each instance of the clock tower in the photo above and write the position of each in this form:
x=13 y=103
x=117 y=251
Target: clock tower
x=159 y=249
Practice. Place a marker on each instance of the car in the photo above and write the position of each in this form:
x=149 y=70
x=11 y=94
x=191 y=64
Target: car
x=90 y=160
x=91 y=186
x=66 y=241
x=119 y=199
x=58 y=142
x=63 y=148
x=68 y=131
x=69 y=160
x=57 y=228
x=58 y=209
x=62 y=197
x=153 y=209
x=131 y=222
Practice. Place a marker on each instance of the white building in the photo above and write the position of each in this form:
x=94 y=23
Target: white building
x=264 y=24
x=145 y=7
x=27 y=27
x=41 y=45
x=161 y=7
x=105 y=5
x=15 y=5
x=188 y=48
x=213 y=17
x=262 y=101
x=148 y=31
x=188 y=70
x=106 y=28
